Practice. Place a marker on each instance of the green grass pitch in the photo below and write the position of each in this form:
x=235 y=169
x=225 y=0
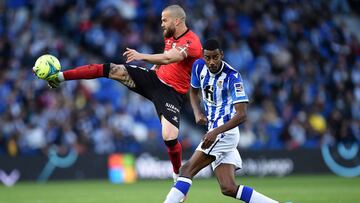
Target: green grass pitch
x=295 y=189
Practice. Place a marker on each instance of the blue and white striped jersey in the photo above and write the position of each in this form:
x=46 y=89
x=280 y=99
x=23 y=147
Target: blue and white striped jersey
x=220 y=91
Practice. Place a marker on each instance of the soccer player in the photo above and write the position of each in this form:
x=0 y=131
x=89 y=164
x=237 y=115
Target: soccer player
x=225 y=102
x=165 y=84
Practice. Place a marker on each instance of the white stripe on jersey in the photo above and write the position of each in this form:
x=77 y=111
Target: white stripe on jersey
x=202 y=76
x=196 y=71
x=219 y=99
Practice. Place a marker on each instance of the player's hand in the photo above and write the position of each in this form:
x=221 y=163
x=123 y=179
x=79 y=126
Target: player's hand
x=208 y=139
x=132 y=55
x=201 y=119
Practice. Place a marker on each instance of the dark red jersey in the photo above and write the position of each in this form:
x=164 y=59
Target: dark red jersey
x=177 y=75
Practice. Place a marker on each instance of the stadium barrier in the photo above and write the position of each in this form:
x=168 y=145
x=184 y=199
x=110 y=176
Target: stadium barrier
x=341 y=160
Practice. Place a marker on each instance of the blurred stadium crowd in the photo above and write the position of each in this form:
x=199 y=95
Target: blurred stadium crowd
x=301 y=67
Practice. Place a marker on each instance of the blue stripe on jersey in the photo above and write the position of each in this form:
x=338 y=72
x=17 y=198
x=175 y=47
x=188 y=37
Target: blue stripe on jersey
x=226 y=94
x=229 y=71
x=231 y=105
x=195 y=80
x=206 y=81
x=224 y=97
x=232 y=109
x=213 y=107
x=195 y=72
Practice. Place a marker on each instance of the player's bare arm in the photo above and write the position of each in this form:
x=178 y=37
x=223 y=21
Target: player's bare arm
x=200 y=118
x=171 y=56
x=240 y=117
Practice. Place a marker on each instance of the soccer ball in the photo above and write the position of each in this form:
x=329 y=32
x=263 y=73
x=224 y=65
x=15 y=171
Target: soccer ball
x=46 y=66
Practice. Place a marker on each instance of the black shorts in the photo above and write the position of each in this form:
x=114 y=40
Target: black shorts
x=167 y=101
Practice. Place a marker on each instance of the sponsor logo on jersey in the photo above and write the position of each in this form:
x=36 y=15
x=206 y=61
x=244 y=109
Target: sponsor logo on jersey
x=239 y=89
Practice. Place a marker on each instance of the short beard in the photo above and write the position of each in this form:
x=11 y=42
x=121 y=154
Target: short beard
x=169 y=32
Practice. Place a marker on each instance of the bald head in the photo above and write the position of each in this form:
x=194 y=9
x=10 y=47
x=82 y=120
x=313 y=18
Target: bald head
x=176 y=12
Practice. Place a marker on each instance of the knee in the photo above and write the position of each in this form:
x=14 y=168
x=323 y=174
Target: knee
x=117 y=71
x=229 y=190
x=114 y=66
x=169 y=135
x=169 y=132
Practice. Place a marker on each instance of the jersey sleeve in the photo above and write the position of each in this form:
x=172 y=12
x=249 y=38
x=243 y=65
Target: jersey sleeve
x=237 y=90
x=195 y=80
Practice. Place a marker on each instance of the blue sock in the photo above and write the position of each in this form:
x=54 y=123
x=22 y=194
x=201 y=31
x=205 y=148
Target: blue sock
x=244 y=193
x=183 y=184
x=248 y=194
x=179 y=190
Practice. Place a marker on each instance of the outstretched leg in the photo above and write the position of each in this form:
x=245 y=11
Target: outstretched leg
x=198 y=161
x=91 y=71
x=226 y=178
x=120 y=73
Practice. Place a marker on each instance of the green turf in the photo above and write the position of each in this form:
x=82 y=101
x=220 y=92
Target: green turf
x=297 y=189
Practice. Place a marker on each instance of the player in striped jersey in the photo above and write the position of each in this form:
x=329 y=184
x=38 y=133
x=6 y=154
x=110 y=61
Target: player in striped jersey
x=225 y=103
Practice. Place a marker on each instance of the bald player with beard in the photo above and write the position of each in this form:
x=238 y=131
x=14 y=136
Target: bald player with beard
x=165 y=84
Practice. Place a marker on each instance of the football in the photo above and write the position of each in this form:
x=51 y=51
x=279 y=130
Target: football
x=45 y=66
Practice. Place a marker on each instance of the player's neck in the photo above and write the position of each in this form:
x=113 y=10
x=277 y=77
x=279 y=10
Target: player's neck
x=180 y=31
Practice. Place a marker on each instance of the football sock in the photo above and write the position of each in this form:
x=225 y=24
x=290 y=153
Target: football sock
x=249 y=195
x=179 y=190
x=61 y=77
x=174 y=151
x=86 y=72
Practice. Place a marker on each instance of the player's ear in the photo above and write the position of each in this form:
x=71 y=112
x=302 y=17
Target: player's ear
x=177 y=21
x=222 y=54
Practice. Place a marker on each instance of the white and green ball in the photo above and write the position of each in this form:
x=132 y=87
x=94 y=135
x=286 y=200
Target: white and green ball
x=46 y=65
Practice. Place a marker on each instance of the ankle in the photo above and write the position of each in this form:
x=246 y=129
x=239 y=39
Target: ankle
x=61 y=77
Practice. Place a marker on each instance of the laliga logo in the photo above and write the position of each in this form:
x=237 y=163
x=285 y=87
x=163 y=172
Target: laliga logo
x=343 y=160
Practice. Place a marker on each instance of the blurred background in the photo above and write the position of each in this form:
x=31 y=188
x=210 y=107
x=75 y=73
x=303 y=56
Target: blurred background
x=300 y=61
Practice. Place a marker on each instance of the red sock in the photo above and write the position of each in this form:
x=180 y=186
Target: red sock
x=85 y=72
x=174 y=152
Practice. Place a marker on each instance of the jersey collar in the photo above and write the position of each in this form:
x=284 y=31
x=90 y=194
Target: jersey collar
x=182 y=34
x=222 y=67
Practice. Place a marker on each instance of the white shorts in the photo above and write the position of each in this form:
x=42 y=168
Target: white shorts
x=224 y=149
